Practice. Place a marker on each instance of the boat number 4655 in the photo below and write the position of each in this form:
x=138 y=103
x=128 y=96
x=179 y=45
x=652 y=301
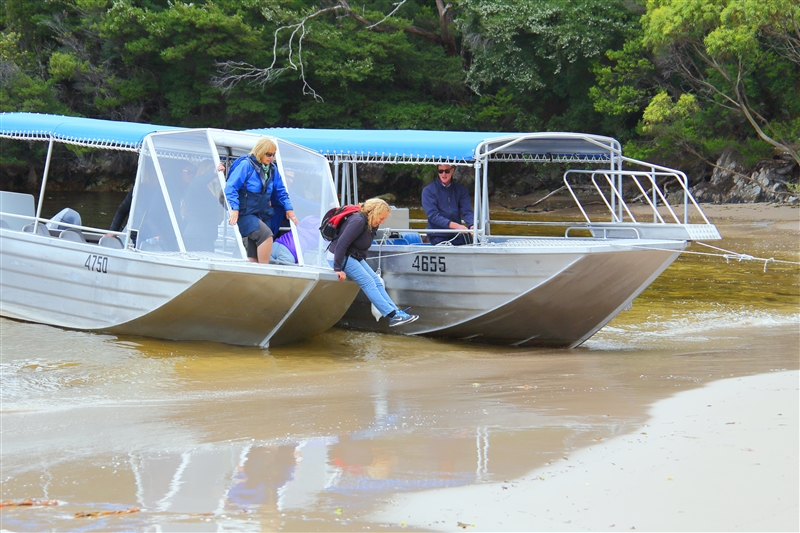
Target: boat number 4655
x=97 y=263
x=429 y=263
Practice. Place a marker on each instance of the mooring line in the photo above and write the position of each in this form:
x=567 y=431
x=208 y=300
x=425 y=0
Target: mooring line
x=727 y=256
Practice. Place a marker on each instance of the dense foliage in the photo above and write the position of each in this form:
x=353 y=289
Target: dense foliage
x=677 y=79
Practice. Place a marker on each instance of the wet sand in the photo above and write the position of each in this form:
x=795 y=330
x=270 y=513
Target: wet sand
x=720 y=458
x=357 y=431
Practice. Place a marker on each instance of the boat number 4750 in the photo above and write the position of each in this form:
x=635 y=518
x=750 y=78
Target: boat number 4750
x=97 y=263
x=429 y=263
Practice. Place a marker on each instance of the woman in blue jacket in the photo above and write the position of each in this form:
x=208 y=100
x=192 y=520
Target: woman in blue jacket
x=253 y=189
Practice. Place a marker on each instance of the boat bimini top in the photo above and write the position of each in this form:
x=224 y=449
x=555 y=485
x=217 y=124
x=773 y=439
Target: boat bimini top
x=179 y=211
x=594 y=163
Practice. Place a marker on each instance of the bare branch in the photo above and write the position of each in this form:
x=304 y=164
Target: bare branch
x=748 y=113
x=416 y=30
x=234 y=72
x=231 y=73
x=445 y=20
x=397 y=5
x=785 y=42
x=7 y=72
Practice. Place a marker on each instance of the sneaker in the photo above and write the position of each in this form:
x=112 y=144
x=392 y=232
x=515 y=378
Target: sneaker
x=401 y=317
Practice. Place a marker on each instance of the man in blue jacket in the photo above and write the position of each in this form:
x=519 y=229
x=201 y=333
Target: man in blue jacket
x=254 y=188
x=446 y=205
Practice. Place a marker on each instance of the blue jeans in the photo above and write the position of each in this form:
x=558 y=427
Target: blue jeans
x=281 y=253
x=370 y=283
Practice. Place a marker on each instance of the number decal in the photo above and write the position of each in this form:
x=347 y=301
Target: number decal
x=97 y=263
x=429 y=263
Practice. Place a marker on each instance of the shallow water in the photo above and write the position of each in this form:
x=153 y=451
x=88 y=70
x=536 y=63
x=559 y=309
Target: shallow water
x=208 y=437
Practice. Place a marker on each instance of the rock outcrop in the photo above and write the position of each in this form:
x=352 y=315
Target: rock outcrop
x=775 y=181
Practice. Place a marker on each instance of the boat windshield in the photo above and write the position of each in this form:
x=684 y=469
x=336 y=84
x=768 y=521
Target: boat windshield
x=178 y=200
x=179 y=204
x=308 y=179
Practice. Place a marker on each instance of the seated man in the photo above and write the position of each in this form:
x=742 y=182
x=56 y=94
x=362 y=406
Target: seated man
x=446 y=204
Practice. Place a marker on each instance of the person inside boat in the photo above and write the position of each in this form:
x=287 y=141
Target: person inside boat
x=201 y=209
x=301 y=200
x=446 y=205
x=347 y=255
x=284 y=250
x=254 y=186
x=121 y=216
x=151 y=218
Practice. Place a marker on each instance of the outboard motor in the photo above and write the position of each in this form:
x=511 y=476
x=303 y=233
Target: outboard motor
x=70 y=216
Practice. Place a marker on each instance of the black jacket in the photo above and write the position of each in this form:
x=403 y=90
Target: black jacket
x=355 y=238
x=123 y=211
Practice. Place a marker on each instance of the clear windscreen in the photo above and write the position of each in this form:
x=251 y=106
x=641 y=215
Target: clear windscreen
x=308 y=179
x=189 y=208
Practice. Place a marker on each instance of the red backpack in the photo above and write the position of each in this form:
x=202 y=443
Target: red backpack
x=332 y=221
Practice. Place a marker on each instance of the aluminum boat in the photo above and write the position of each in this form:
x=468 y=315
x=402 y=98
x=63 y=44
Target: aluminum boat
x=156 y=277
x=533 y=290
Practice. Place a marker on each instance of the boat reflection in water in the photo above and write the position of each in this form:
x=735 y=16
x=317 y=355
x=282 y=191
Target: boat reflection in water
x=306 y=475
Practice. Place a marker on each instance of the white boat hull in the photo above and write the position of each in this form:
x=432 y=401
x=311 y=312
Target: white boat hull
x=83 y=286
x=539 y=292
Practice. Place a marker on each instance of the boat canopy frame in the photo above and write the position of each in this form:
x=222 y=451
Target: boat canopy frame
x=346 y=149
x=309 y=193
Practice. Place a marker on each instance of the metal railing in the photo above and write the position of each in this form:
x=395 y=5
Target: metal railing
x=609 y=186
x=41 y=221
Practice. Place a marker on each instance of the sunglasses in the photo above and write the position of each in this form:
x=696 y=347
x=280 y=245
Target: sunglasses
x=442 y=171
x=269 y=154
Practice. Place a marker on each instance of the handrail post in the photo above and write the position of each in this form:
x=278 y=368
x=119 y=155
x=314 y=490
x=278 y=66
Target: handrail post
x=355 y=183
x=486 y=229
x=655 y=199
x=336 y=172
x=476 y=199
x=44 y=183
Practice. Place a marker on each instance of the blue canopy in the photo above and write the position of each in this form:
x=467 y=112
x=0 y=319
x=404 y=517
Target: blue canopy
x=77 y=130
x=407 y=146
x=423 y=146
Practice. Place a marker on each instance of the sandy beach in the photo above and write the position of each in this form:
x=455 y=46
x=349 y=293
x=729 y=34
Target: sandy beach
x=674 y=474
x=720 y=458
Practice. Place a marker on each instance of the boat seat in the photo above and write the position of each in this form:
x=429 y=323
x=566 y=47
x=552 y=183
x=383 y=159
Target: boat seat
x=110 y=241
x=397 y=241
x=66 y=215
x=41 y=229
x=412 y=237
x=15 y=203
x=71 y=234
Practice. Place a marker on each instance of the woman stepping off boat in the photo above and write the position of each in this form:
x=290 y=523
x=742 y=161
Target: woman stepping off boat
x=348 y=252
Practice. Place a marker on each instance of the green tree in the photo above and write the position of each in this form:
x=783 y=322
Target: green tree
x=739 y=55
x=542 y=51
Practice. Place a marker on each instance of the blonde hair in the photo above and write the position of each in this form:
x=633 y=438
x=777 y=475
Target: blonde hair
x=263 y=146
x=373 y=208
